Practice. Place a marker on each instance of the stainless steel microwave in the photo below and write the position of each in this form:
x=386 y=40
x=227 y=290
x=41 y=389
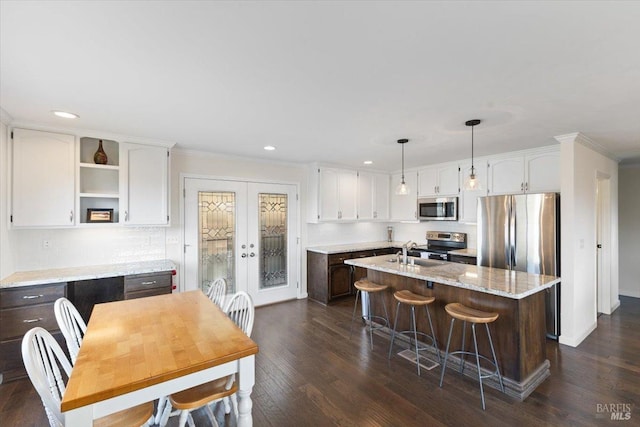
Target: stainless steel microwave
x=438 y=209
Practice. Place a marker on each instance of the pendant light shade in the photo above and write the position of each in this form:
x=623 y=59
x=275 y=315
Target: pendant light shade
x=471 y=183
x=402 y=189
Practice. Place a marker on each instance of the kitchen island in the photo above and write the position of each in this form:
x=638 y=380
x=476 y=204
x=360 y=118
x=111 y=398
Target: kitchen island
x=519 y=333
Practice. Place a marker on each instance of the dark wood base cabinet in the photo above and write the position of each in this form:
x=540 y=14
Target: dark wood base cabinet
x=22 y=308
x=329 y=278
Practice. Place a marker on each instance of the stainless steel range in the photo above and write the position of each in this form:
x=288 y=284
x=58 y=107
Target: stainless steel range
x=439 y=243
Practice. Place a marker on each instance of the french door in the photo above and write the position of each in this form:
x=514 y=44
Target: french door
x=244 y=232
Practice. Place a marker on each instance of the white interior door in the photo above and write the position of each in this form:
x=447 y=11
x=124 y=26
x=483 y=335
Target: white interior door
x=273 y=247
x=214 y=233
x=243 y=232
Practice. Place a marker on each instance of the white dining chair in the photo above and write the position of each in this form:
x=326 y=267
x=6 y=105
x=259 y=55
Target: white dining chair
x=217 y=290
x=48 y=369
x=71 y=325
x=241 y=310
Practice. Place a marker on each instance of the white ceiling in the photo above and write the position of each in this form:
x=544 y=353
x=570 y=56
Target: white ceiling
x=335 y=82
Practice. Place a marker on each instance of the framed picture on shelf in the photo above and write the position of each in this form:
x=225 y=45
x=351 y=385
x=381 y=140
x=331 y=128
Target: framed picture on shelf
x=99 y=215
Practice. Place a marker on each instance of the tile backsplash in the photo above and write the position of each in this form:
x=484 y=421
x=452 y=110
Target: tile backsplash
x=60 y=248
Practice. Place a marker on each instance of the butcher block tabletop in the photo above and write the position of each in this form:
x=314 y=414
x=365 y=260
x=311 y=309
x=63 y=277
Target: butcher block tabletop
x=133 y=344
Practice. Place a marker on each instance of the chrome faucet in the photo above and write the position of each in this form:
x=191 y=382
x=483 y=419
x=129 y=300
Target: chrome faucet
x=405 y=248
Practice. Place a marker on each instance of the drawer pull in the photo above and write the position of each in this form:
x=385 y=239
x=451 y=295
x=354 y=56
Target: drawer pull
x=153 y=282
x=32 y=296
x=39 y=319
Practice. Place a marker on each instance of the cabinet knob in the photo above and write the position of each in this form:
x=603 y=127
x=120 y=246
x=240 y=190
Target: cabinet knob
x=71 y=216
x=522 y=186
x=126 y=215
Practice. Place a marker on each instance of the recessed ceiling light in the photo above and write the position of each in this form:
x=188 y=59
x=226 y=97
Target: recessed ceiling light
x=65 y=114
x=368 y=162
x=269 y=148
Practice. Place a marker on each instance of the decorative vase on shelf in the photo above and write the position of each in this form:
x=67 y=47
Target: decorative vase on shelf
x=100 y=158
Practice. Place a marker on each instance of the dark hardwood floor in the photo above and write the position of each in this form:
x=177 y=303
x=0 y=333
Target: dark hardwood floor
x=308 y=373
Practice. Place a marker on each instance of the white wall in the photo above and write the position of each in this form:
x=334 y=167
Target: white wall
x=629 y=211
x=581 y=164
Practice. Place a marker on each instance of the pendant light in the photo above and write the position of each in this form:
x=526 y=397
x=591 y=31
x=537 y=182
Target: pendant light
x=471 y=182
x=402 y=189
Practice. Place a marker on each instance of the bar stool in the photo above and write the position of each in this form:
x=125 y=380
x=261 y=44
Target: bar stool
x=467 y=314
x=414 y=300
x=370 y=288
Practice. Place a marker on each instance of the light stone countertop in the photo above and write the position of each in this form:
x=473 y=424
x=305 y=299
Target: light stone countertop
x=470 y=252
x=58 y=275
x=505 y=283
x=354 y=247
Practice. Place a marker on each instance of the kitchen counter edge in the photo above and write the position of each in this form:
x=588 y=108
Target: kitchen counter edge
x=353 y=247
x=496 y=281
x=58 y=275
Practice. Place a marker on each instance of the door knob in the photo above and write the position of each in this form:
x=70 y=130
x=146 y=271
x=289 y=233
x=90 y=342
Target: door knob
x=252 y=254
x=243 y=255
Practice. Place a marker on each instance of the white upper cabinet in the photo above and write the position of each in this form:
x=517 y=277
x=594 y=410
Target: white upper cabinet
x=381 y=202
x=373 y=196
x=337 y=194
x=468 y=200
x=542 y=172
x=440 y=180
x=404 y=208
x=144 y=189
x=506 y=175
x=531 y=172
x=43 y=179
x=347 y=195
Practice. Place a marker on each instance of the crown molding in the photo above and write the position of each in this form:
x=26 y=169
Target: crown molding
x=584 y=140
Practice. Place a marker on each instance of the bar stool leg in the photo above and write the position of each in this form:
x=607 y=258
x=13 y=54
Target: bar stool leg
x=433 y=334
x=464 y=356
x=393 y=332
x=495 y=360
x=370 y=316
x=353 y=316
x=415 y=336
x=446 y=353
x=475 y=344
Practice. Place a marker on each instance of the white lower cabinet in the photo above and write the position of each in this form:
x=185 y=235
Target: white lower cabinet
x=144 y=189
x=43 y=179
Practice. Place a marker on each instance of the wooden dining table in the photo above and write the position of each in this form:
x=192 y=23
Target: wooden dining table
x=138 y=350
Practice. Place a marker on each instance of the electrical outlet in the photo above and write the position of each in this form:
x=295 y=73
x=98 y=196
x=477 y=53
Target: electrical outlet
x=46 y=244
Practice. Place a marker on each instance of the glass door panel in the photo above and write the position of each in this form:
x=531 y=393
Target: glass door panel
x=217 y=211
x=273 y=240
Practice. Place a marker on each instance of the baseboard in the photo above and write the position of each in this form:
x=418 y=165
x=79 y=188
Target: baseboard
x=635 y=293
x=575 y=341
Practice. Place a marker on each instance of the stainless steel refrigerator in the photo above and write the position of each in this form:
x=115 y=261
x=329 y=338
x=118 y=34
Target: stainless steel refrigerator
x=522 y=232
